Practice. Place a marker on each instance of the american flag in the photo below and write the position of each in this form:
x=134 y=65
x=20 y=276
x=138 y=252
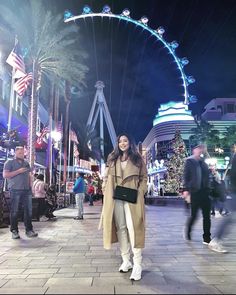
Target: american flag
x=75 y=151
x=15 y=59
x=73 y=136
x=21 y=84
x=43 y=133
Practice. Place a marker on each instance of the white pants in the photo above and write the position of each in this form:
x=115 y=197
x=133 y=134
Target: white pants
x=125 y=232
x=79 y=199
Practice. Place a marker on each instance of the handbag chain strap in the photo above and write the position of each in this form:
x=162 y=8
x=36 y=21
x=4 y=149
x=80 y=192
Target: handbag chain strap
x=138 y=175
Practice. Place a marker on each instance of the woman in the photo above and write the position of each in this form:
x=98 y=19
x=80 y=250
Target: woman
x=39 y=191
x=123 y=221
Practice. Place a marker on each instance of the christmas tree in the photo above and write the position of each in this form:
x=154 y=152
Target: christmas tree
x=175 y=165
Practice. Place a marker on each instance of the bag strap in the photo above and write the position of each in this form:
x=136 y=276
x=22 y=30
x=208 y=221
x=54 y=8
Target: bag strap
x=139 y=175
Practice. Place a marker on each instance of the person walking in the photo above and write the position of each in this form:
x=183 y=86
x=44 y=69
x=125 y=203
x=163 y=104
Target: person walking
x=122 y=221
x=224 y=226
x=196 y=186
x=79 y=190
x=17 y=171
x=217 y=192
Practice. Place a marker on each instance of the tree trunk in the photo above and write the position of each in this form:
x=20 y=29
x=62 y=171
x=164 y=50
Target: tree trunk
x=66 y=135
x=32 y=117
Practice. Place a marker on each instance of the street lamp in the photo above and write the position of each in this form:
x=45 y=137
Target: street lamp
x=56 y=135
x=211 y=161
x=219 y=150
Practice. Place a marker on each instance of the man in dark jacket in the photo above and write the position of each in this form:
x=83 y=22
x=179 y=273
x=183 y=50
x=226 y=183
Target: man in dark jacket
x=196 y=185
x=215 y=244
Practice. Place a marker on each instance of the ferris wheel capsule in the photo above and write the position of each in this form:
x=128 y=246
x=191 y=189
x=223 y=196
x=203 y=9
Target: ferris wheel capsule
x=191 y=79
x=192 y=99
x=87 y=9
x=106 y=9
x=126 y=12
x=174 y=44
x=184 y=61
x=144 y=20
x=160 y=31
x=67 y=14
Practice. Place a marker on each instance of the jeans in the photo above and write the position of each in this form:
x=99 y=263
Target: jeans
x=24 y=196
x=200 y=200
x=226 y=222
x=125 y=232
x=90 y=199
x=79 y=198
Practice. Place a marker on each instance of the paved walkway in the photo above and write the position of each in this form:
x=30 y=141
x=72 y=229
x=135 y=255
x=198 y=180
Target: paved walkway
x=68 y=258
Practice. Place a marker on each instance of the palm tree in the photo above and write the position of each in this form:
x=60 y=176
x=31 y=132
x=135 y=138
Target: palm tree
x=229 y=138
x=51 y=50
x=204 y=133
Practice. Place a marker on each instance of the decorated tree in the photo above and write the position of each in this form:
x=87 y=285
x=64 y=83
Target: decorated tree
x=175 y=165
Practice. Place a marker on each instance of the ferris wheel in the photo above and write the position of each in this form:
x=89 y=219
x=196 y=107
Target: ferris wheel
x=157 y=33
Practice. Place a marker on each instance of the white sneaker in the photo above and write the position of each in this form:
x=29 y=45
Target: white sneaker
x=214 y=245
x=43 y=218
x=125 y=266
x=136 y=273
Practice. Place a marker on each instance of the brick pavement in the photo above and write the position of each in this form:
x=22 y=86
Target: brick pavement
x=68 y=258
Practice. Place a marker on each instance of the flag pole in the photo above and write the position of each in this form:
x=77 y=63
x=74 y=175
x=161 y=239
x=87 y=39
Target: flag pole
x=12 y=95
x=50 y=149
x=68 y=160
x=60 y=162
x=11 y=102
x=74 y=160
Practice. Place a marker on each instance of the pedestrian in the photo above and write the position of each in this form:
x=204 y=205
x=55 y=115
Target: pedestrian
x=121 y=220
x=224 y=226
x=196 y=186
x=217 y=192
x=79 y=190
x=51 y=201
x=90 y=191
x=39 y=189
x=17 y=171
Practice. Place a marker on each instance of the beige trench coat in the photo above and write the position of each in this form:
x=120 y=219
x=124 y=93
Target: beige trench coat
x=129 y=178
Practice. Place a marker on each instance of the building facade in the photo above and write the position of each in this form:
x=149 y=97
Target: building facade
x=172 y=116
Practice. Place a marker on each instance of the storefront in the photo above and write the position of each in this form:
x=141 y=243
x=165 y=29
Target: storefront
x=156 y=173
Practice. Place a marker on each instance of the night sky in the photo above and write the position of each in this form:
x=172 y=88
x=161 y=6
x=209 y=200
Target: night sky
x=139 y=73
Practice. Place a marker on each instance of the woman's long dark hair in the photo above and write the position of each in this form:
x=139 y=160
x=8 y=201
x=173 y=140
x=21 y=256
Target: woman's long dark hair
x=133 y=153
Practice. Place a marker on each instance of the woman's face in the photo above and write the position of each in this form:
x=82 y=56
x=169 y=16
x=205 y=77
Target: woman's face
x=123 y=143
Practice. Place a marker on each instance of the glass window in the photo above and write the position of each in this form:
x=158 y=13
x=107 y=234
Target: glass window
x=230 y=108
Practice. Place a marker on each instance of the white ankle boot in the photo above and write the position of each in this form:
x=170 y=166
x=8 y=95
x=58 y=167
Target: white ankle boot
x=136 y=272
x=125 y=266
